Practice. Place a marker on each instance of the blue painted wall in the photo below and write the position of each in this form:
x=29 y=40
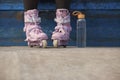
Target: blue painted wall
x=102 y=16
x=76 y=4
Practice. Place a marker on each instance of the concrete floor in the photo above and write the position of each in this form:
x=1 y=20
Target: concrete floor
x=24 y=63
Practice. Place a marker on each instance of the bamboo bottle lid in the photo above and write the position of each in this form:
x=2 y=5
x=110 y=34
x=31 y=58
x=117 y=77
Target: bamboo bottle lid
x=79 y=14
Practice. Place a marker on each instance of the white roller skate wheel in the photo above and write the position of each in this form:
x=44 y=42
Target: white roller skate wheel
x=55 y=43
x=44 y=43
x=30 y=45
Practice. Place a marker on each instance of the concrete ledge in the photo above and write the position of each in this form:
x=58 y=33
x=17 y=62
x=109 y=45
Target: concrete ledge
x=24 y=63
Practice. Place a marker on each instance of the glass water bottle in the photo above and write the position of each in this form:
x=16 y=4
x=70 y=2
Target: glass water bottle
x=81 y=29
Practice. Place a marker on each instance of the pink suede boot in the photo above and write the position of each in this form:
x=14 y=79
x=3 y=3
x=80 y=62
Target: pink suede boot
x=62 y=31
x=34 y=35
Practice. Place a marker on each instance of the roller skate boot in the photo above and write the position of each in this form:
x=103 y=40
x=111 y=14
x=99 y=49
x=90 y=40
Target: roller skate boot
x=34 y=35
x=62 y=31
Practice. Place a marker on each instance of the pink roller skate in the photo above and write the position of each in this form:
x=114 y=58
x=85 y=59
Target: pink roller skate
x=61 y=34
x=34 y=35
